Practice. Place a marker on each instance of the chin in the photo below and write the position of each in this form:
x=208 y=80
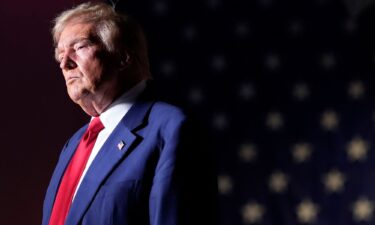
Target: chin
x=75 y=96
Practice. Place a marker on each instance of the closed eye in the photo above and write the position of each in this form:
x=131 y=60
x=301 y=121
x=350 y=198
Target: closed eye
x=82 y=44
x=80 y=47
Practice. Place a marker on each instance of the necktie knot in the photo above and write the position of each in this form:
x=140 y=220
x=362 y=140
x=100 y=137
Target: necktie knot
x=95 y=126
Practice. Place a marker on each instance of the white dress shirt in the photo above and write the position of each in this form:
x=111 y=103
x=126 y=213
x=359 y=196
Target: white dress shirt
x=110 y=118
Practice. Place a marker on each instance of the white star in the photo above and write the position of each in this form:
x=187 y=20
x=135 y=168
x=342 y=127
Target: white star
x=334 y=181
x=301 y=152
x=189 y=33
x=160 y=7
x=272 y=62
x=214 y=4
x=278 y=182
x=274 y=121
x=242 y=29
x=296 y=27
x=363 y=210
x=356 y=89
x=329 y=120
x=167 y=68
x=220 y=121
x=218 y=63
x=328 y=61
x=357 y=149
x=301 y=91
x=350 y=26
x=307 y=211
x=356 y=7
x=195 y=95
x=252 y=213
x=265 y=3
x=246 y=91
x=225 y=184
x=247 y=152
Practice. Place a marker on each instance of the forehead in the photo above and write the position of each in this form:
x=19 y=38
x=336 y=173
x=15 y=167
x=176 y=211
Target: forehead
x=74 y=31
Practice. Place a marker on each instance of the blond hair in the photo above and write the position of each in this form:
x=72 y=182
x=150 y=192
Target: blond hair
x=118 y=33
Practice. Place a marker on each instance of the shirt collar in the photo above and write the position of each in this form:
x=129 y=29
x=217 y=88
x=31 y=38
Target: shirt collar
x=117 y=110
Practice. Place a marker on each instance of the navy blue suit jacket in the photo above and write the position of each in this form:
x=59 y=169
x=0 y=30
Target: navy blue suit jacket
x=153 y=179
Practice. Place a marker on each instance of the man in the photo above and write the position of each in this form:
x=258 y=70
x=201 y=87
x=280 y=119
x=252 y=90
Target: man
x=132 y=164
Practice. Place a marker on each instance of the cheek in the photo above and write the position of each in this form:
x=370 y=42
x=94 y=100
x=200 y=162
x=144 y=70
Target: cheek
x=93 y=72
x=91 y=68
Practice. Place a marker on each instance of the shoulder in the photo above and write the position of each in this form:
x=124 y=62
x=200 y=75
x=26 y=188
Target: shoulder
x=167 y=118
x=163 y=110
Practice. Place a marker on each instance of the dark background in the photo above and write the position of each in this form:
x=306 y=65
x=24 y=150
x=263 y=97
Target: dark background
x=235 y=63
x=36 y=113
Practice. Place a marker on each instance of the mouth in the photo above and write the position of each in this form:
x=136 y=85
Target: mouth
x=71 y=79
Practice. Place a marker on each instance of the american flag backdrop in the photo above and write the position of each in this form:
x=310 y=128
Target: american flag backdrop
x=286 y=89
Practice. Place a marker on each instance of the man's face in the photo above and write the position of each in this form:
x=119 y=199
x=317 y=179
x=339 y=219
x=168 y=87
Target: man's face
x=79 y=57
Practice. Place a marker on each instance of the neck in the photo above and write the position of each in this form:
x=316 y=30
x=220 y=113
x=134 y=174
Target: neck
x=95 y=104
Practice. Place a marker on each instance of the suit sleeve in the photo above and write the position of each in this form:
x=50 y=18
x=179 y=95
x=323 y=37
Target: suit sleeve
x=164 y=196
x=184 y=185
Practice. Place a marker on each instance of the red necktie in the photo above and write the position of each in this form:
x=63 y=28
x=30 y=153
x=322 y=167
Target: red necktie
x=74 y=172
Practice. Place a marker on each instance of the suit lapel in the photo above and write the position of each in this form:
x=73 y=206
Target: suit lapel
x=108 y=157
x=64 y=159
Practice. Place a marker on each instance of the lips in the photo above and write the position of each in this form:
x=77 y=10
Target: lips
x=71 y=79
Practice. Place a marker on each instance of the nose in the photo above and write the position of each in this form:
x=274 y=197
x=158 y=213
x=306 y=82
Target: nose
x=67 y=63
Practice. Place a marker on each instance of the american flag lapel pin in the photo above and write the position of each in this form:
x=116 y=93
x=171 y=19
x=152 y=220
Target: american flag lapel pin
x=120 y=145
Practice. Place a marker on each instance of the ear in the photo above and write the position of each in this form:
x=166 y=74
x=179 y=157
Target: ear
x=125 y=61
